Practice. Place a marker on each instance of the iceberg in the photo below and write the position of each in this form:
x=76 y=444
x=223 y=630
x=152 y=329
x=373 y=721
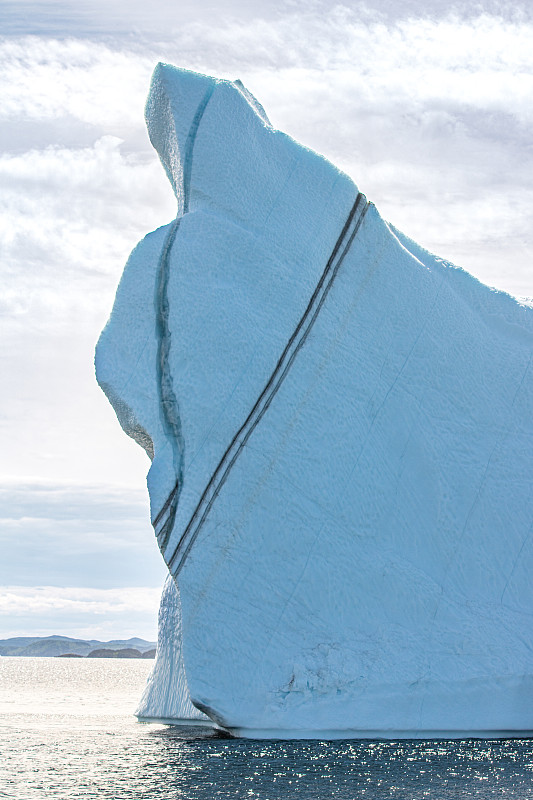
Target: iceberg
x=340 y=428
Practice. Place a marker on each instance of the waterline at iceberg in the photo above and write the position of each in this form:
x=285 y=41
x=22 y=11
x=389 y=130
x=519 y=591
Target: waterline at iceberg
x=166 y=697
x=341 y=433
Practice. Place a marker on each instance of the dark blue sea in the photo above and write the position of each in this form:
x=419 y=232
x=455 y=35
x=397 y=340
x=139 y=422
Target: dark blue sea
x=67 y=730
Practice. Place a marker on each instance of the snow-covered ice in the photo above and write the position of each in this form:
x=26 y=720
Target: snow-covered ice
x=341 y=433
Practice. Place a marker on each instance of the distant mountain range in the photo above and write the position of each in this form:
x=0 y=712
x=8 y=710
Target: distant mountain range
x=63 y=645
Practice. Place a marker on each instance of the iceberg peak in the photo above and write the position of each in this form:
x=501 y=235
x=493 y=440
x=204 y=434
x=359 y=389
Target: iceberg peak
x=341 y=427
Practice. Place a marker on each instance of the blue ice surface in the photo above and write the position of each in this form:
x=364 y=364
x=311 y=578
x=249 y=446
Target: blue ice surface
x=342 y=435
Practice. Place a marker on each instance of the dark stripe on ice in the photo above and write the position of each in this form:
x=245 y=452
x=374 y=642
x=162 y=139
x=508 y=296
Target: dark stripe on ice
x=355 y=218
x=166 y=505
x=167 y=397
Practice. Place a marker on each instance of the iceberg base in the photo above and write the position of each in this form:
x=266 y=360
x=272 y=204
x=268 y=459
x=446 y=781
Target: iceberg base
x=328 y=735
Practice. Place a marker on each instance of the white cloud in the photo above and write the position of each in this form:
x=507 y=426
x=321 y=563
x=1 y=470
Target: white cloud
x=484 y=61
x=23 y=600
x=425 y=114
x=66 y=227
x=45 y=79
x=82 y=612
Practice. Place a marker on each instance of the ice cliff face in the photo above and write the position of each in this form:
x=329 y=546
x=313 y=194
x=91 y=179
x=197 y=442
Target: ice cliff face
x=342 y=441
x=166 y=697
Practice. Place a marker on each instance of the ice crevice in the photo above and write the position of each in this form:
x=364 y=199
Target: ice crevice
x=168 y=401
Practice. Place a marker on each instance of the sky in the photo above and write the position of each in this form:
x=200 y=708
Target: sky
x=426 y=105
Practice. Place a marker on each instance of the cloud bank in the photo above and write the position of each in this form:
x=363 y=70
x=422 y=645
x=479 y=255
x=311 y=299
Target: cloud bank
x=87 y=613
x=426 y=107
x=58 y=533
x=76 y=560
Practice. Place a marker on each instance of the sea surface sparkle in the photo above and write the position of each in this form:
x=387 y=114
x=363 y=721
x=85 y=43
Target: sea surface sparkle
x=67 y=731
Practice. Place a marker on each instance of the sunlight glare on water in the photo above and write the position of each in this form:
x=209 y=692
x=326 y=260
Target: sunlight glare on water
x=67 y=731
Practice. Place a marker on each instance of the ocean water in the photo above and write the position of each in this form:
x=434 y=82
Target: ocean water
x=67 y=731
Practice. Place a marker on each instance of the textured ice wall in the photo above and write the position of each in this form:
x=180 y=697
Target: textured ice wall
x=341 y=430
x=166 y=697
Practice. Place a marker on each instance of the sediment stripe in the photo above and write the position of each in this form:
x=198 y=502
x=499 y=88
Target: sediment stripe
x=295 y=343
x=167 y=397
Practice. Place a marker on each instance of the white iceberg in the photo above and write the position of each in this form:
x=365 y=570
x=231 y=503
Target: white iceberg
x=341 y=433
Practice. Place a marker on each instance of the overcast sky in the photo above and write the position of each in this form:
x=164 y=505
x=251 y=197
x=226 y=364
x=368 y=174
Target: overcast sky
x=426 y=105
